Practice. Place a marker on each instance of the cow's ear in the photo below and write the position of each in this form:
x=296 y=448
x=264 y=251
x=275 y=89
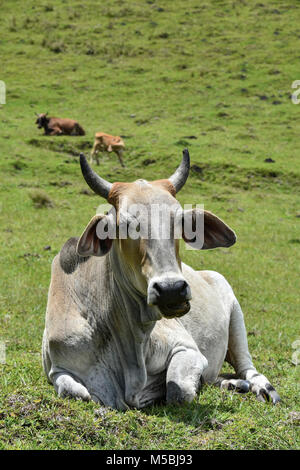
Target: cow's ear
x=95 y=240
x=203 y=230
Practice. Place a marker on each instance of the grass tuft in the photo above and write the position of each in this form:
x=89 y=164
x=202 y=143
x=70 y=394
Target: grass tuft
x=40 y=199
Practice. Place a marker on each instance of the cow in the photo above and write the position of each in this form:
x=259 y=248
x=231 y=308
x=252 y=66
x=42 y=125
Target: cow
x=58 y=126
x=107 y=143
x=127 y=323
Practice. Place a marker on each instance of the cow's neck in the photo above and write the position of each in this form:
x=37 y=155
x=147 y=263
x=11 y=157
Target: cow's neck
x=143 y=317
x=46 y=127
x=131 y=323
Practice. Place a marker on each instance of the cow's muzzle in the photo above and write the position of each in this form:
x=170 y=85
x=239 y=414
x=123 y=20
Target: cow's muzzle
x=170 y=296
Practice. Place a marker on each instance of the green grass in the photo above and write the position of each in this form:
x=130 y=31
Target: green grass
x=157 y=73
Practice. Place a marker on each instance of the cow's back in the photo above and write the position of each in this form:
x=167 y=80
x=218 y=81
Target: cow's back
x=107 y=140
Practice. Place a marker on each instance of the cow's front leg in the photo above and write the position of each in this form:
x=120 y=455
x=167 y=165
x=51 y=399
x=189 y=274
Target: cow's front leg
x=183 y=374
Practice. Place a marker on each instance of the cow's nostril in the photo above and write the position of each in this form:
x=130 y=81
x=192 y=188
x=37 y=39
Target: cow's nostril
x=157 y=288
x=181 y=287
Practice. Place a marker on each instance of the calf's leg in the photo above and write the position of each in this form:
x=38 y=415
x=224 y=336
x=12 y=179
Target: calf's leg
x=94 y=153
x=120 y=153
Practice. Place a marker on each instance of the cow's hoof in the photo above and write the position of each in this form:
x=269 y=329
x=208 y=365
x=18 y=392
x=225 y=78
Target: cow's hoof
x=237 y=385
x=267 y=393
x=243 y=386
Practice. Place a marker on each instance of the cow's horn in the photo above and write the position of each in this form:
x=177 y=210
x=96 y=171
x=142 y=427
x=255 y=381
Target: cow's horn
x=179 y=178
x=96 y=183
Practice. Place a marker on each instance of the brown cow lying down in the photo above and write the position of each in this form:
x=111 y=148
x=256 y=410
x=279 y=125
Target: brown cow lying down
x=107 y=143
x=58 y=126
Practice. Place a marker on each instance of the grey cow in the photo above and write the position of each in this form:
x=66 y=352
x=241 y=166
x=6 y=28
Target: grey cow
x=128 y=323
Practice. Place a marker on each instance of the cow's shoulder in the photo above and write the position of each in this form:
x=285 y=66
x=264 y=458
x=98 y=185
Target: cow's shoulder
x=219 y=285
x=69 y=260
x=213 y=277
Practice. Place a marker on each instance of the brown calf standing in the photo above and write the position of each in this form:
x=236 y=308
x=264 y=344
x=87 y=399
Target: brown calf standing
x=58 y=126
x=107 y=143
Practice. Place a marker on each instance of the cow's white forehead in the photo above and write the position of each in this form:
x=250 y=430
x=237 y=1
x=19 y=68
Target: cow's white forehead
x=142 y=183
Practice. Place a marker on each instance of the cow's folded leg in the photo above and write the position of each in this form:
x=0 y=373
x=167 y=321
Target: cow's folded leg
x=67 y=386
x=56 y=131
x=183 y=375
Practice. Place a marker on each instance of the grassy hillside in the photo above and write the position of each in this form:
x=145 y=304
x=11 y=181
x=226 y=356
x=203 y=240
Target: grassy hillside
x=214 y=76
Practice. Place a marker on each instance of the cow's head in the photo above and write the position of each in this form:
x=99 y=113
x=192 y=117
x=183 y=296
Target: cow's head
x=42 y=120
x=150 y=251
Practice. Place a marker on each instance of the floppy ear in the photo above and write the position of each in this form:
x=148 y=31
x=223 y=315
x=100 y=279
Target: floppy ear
x=206 y=231
x=89 y=244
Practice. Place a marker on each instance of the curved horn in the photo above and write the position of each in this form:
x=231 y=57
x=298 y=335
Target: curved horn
x=179 y=178
x=96 y=183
